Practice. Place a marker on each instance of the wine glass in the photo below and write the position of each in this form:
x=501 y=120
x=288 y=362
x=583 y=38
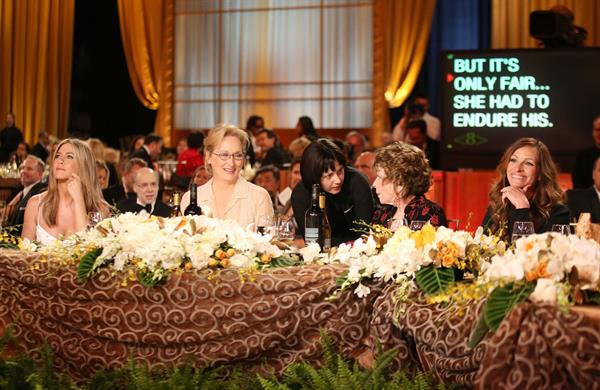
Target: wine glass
x=266 y=225
x=395 y=223
x=522 y=229
x=286 y=230
x=562 y=229
x=94 y=218
x=417 y=225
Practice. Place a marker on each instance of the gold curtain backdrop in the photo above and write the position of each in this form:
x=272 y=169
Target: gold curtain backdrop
x=36 y=39
x=147 y=35
x=510 y=21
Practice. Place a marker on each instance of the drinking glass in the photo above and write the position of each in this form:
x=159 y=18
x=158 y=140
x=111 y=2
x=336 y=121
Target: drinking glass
x=522 y=229
x=562 y=229
x=286 y=230
x=94 y=218
x=395 y=223
x=266 y=225
x=417 y=225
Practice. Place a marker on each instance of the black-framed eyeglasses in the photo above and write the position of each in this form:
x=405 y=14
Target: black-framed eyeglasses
x=226 y=156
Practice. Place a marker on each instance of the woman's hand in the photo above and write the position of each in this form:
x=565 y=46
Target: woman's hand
x=516 y=196
x=74 y=187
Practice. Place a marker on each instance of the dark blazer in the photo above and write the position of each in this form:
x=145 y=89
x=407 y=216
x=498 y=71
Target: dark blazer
x=19 y=213
x=276 y=156
x=559 y=214
x=9 y=140
x=40 y=151
x=130 y=205
x=114 y=194
x=584 y=200
x=144 y=155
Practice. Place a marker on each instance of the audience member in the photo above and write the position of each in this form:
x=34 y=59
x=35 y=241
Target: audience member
x=201 y=176
x=227 y=194
x=99 y=150
x=416 y=134
x=387 y=138
x=268 y=177
x=347 y=192
x=434 y=128
x=40 y=149
x=527 y=190
x=181 y=146
x=272 y=153
x=73 y=192
x=10 y=136
x=124 y=190
x=145 y=185
x=191 y=158
x=297 y=147
x=31 y=174
x=253 y=125
x=364 y=163
x=20 y=154
x=306 y=128
x=584 y=162
x=357 y=143
x=294 y=177
x=403 y=178
x=103 y=174
x=136 y=143
x=412 y=111
x=586 y=200
x=150 y=150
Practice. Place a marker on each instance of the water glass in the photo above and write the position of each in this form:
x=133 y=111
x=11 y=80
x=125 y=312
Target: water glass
x=522 y=229
x=417 y=225
x=562 y=229
x=266 y=225
x=286 y=230
x=395 y=223
x=94 y=218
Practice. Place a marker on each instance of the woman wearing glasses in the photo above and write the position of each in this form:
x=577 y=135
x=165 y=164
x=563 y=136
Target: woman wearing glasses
x=227 y=193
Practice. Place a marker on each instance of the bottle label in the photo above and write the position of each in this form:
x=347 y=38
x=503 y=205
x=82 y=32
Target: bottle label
x=311 y=235
x=327 y=244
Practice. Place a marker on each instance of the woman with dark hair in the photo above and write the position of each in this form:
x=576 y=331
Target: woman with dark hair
x=191 y=158
x=527 y=190
x=403 y=178
x=306 y=128
x=348 y=195
x=136 y=143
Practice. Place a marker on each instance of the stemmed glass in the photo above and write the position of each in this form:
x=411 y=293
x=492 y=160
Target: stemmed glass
x=286 y=230
x=266 y=225
x=562 y=229
x=417 y=225
x=94 y=218
x=395 y=223
x=522 y=229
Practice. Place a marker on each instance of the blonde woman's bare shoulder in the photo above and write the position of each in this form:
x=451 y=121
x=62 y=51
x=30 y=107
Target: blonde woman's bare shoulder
x=35 y=199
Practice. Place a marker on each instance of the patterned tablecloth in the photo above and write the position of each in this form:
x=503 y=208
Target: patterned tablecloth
x=275 y=320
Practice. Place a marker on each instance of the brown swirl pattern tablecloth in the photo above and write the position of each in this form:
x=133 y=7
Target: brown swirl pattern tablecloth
x=274 y=320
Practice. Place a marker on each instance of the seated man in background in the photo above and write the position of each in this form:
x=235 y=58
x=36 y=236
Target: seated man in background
x=357 y=143
x=416 y=134
x=268 y=177
x=271 y=152
x=146 y=189
x=586 y=200
x=364 y=163
x=32 y=171
x=40 y=149
x=124 y=190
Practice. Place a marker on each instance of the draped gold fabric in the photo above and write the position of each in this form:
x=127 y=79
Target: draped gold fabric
x=147 y=35
x=510 y=20
x=406 y=26
x=36 y=40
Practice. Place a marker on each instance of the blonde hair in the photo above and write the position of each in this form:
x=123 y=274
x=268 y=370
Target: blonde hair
x=98 y=148
x=298 y=145
x=216 y=135
x=86 y=170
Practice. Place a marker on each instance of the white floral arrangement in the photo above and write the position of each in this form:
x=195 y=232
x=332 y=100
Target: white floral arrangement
x=155 y=246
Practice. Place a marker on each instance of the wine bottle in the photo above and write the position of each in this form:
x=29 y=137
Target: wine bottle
x=313 y=220
x=193 y=208
x=326 y=224
x=176 y=209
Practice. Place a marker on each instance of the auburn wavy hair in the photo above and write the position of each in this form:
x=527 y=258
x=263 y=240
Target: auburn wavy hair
x=546 y=190
x=406 y=166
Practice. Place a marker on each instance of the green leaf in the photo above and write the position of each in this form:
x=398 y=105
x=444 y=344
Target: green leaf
x=502 y=300
x=283 y=261
x=150 y=279
x=86 y=265
x=434 y=280
x=479 y=332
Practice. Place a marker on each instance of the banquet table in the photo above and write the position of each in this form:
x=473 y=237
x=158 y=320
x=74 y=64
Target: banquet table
x=274 y=317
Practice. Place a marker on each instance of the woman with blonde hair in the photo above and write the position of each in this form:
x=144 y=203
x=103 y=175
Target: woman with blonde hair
x=73 y=192
x=100 y=151
x=227 y=193
x=527 y=190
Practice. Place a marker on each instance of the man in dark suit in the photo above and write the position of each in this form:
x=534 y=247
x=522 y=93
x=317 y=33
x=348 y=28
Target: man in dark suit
x=32 y=171
x=146 y=189
x=41 y=148
x=10 y=137
x=416 y=134
x=124 y=190
x=584 y=162
x=270 y=148
x=151 y=149
x=586 y=200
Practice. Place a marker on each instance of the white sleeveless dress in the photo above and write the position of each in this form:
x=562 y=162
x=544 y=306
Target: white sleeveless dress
x=41 y=235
